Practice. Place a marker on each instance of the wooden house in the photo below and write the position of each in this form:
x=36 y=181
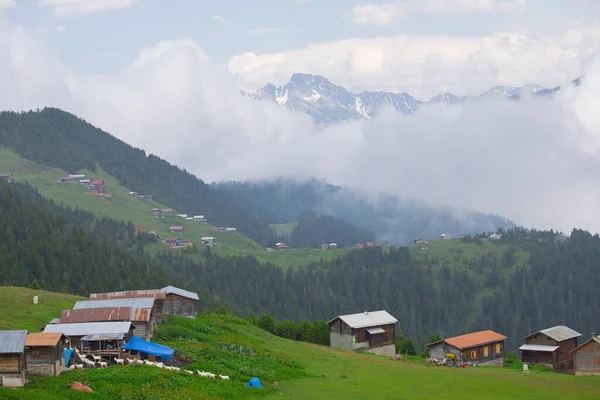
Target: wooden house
x=12 y=358
x=418 y=241
x=446 y=236
x=373 y=332
x=44 y=353
x=99 y=338
x=176 y=229
x=484 y=348
x=180 y=302
x=551 y=347
x=167 y=211
x=6 y=176
x=141 y=311
x=230 y=229
x=171 y=241
x=199 y=218
x=332 y=245
x=587 y=357
x=324 y=247
x=208 y=241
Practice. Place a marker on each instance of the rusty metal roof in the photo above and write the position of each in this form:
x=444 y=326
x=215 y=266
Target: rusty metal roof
x=141 y=314
x=12 y=341
x=558 y=333
x=41 y=339
x=130 y=294
x=474 y=339
x=96 y=315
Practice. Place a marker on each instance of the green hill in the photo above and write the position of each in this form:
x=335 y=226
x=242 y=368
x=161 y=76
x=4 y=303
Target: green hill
x=230 y=346
x=17 y=310
x=122 y=207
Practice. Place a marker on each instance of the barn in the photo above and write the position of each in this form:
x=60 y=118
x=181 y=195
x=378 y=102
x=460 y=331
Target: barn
x=12 y=358
x=551 y=347
x=139 y=311
x=44 y=353
x=587 y=357
x=373 y=332
x=98 y=338
x=484 y=348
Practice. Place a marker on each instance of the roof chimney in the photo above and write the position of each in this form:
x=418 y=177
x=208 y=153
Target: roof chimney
x=366 y=312
x=593 y=335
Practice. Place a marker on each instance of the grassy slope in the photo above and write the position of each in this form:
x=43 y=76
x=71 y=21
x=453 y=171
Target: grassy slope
x=304 y=371
x=284 y=229
x=17 y=310
x=123 y=207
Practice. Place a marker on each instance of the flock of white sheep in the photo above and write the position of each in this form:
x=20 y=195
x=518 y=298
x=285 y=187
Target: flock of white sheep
x=84 y=361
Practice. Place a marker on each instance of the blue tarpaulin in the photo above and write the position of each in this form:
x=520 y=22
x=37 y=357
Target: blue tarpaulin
x=254 y=382
x=137 y=344
x=68 y=353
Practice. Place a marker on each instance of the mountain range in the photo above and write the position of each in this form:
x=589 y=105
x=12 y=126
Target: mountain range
x=328 y=103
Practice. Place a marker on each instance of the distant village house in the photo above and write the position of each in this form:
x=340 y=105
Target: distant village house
x=281 y=246
x=484 y=348
x=332 y=245
x=176 y=229
x=230 y=230
x=12 y=358
x=446 y=236
x=199 y=218
x=551 y=347
x=418 y=241
x=208 y=241
x=6 y=176
x=167 y=211
x=373 y=332
x=495 y=236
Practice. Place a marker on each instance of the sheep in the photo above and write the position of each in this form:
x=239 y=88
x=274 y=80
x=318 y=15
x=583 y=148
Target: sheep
x=224 y=377
x=148 y=362
x=72 y=366
x=120 y=361
x=168 y=368
x=211 y=376
x=90 y=363
x=188 y=372
x=79 y=366
x=176 y=368
x=138 y=361
x=103 y=364
x=202 y=373
x=159 y=365
x=97 y=358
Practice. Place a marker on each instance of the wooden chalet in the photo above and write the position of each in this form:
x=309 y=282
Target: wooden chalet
x=551 y=347
x=484 y=348
x=373 y=332
x=99 y=338
x=587 y=357
x=176 y=229
x=12 y=358
x=44 y=353
x=208 y=241
x=168 y=300
x=141 y=311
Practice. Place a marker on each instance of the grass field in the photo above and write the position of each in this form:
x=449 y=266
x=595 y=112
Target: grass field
x=17 y=310
x=227 y=345
x=123 y=207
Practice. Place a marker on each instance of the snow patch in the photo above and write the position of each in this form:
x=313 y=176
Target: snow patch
x=314 y=97
x=282 y=99
x=360 y=108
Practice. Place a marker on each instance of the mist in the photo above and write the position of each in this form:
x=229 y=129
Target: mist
x=533 y=161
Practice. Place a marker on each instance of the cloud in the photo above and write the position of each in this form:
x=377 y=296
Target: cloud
x=261 y=31
x=388 y=13
x=219 y=18
x=533 y=161
x=7 y=4
x=61 y=29
x=381 y=15
x=72 y=8
x=427 y=65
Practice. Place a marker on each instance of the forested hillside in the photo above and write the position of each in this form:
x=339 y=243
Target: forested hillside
x=56 y=138
x=391 y=218
x=313 y=230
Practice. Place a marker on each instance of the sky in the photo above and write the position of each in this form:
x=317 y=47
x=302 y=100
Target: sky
x=167 y=79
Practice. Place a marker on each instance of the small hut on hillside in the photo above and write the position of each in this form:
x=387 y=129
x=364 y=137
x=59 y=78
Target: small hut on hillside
x=12 y=358
x=44 y=353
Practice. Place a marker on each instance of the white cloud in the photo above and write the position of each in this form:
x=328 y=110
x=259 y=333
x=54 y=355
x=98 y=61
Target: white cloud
x=61 y=29
x=7 y=4
x=427 y=65
x=381 y=15
x=220 y=18
x=388 y=13
x=533 y=161
x=260 y=31
x=72 y=8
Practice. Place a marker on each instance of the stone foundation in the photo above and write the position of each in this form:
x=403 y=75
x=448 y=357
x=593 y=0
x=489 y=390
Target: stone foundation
x=44 y=369
x=12 y=380
x=384 y=350
x=587 y=373
x=499 y=362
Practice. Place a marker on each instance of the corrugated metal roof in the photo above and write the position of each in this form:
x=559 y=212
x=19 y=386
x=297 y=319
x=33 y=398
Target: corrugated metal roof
x=12 y=341
x=103 y=336
x=42 y=339
x=145 y=302
x=184 y=293
x=129 y=294
x=375 y=331
x=474 y=339
x=89 y=328
x=595 y=339
x=363 y=320
x=141 y=314
x=538 y=347
x=55 y=321
x=559 y=333
x=98 y=314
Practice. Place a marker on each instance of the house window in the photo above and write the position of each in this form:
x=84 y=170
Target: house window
x=597 y=360
x=498 y=348
x=473 y=354
x=486 y=351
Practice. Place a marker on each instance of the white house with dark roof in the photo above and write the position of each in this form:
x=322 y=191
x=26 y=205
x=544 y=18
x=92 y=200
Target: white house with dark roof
x=372 y=331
